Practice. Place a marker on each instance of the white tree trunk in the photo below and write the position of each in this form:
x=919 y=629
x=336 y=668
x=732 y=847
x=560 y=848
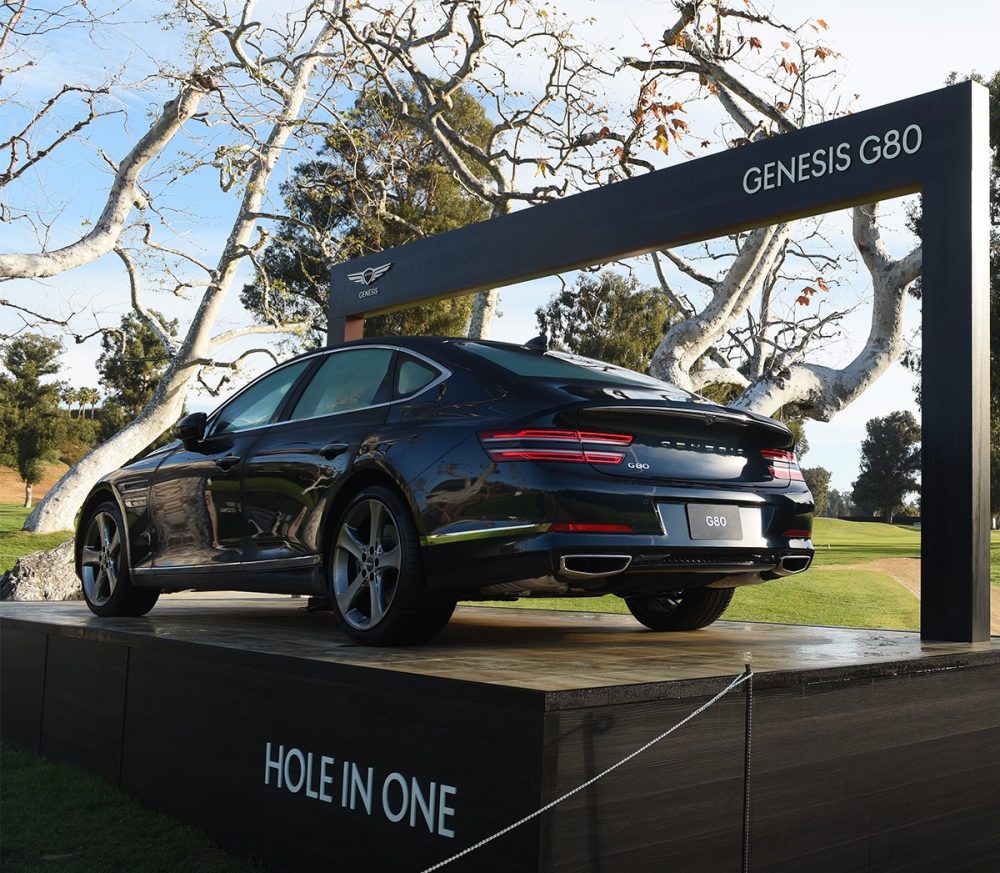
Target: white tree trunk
x=686 y=341
x=27 y=495
x=822 y=392
x=484 y=308
x=57 y=510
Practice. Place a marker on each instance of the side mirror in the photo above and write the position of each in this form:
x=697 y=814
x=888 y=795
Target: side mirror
x=191 y=428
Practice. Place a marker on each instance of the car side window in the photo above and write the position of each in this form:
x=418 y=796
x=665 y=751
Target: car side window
x=412 y=375
x=258 y=403
x=351 y=379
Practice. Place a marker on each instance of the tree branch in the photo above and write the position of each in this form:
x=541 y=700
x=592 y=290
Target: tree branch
x=148 y=317
x=108 y=227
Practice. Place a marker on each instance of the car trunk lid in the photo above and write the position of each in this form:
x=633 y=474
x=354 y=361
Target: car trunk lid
x=695 y=442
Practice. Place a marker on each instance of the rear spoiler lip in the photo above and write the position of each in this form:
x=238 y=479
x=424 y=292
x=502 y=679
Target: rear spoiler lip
x=709 y=416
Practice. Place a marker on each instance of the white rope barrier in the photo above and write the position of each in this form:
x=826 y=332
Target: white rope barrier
x=739 y=680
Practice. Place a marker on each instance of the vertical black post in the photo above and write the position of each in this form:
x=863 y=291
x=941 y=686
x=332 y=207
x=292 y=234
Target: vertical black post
x=955 y=500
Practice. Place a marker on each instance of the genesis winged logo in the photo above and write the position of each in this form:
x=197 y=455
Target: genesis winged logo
x=369 y=275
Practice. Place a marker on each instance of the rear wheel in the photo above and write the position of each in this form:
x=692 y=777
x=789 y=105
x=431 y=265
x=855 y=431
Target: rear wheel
x=376 y=582
x=104 y=570
x=680 y=610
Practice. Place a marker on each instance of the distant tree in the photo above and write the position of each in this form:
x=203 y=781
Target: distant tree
x=890 y=464
x=793 y=419
x=839 y=505
x=30 y=421
x=818 y=480
x=70 y=396
x=132 y=361
x=375 y=184
x=608 y=317
x=89 y=397
x=130 y=366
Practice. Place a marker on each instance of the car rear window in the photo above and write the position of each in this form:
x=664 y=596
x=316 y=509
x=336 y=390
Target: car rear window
x=564 y=365
x=412 y=375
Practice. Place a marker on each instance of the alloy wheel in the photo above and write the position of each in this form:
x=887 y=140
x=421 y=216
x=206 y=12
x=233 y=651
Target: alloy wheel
x=367 y=563
x=100 y=558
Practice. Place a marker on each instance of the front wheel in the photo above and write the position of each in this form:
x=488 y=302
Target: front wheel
x=376 y=582
x=680 y=610
x=104 y=570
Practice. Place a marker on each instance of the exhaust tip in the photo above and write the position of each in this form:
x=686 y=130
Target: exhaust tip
x=792 y=564
x=591 y=566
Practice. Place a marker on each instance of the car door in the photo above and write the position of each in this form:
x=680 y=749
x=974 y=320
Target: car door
x=195 y=500
x=291 y=470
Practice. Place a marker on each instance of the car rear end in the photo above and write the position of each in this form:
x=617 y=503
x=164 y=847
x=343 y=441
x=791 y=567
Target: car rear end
x=605 y=486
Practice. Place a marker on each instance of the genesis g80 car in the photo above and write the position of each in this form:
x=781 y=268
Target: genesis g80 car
x=398 y=476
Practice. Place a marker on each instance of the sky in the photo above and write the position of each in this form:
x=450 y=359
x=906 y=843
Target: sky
x=891 y=50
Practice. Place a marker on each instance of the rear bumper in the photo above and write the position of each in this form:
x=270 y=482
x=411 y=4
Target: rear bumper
x=574 y=564
x=502 y=534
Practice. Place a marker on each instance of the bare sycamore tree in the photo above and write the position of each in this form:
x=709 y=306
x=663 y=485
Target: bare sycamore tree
x=767 y=78
x=761 y=76
x=247 y=89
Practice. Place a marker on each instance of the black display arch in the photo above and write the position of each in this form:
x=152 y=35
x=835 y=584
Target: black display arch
x=936 y=144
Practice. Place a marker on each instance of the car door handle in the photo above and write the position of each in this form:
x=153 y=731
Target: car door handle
x=331 y=450
x=227 y=462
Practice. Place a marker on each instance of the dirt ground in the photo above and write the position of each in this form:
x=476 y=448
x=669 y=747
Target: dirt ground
x=12 y=488
x=906 y=571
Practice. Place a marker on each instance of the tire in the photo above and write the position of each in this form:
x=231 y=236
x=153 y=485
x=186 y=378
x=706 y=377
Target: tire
x=376 y=582
x=680 y=610
x=104 y=571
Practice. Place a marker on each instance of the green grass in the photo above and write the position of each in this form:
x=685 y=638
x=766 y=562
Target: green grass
x=14 y=542
x=839 y=598
x=852 y=542
x=60 y=818
x=822 y=596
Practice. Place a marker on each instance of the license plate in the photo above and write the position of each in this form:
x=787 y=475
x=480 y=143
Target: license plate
x=709 y=521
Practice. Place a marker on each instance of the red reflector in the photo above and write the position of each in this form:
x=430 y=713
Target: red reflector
x=797 y=534
x=567 y=527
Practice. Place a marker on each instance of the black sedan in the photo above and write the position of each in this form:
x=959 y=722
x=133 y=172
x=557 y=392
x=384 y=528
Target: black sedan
x=397 y=476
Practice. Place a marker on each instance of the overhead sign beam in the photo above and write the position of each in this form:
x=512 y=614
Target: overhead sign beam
x=935 y=143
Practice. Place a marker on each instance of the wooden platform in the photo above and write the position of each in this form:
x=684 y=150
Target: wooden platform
x=872 y=750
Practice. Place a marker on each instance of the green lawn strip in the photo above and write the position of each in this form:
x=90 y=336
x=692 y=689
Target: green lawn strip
x=838 y=598
x=852 y=542
x=61 y=818
x=14 y=542
x=995 y=557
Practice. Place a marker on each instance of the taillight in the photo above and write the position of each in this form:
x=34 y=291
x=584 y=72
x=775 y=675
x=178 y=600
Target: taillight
x=783 y=466
x=543 y=444
x=797 y=534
